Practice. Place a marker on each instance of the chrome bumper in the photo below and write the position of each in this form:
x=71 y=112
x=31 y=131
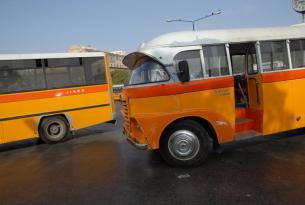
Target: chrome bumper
x=135 y=144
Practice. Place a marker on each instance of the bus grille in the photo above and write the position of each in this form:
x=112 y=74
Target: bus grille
x=125 y=113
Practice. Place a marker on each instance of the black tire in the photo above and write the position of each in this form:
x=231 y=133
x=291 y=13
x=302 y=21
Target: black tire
x=54 y=129
x=184 y=134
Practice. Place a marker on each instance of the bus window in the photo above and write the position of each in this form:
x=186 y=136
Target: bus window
x=64 y=72
x=95 y=71
x=297 y=48
x=21 y=75
x=194 y=62
x=215 y=60
x=238 y=64
x=274 y=56
x=147 y=71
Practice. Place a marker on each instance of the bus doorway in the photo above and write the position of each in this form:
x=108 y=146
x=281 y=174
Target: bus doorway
x=238 y=55
x=247 y=90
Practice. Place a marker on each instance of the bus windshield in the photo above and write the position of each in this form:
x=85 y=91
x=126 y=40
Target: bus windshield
x=147 y=70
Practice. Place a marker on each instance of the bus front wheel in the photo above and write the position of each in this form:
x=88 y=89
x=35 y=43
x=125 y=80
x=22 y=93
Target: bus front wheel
x=54 y=129
x=186 y=143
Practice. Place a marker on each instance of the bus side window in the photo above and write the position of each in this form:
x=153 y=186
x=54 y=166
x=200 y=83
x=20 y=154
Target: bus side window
x=64 y=72
x=238 y=63
x=274 y=56
x=297 y=49
x=20 y=75
x=95 y=70
x=194 y=62
x=216 y=62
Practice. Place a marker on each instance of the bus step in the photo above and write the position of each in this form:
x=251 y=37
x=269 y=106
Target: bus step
x=247 y=135
x=243 y=124
x=240 y=112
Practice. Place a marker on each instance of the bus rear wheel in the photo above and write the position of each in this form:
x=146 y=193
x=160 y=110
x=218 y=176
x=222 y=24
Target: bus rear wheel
x=54 y=129
x=186 y=143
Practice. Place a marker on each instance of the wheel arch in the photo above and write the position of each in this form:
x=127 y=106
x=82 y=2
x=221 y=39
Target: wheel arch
x=205 y=123
x=67 y=117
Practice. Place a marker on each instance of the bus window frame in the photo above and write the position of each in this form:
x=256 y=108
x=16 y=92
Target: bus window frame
x=29 y=68
x=259 y=56
x=201 y=61
x=85 y=74
x=45 y=80
x=258 y=59
x=296 y=39
x=46 y=62
x=200 y=49
x=227 y=51
x=288 y=55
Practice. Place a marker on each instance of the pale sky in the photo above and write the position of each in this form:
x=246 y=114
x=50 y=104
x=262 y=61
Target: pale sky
x=35 y=26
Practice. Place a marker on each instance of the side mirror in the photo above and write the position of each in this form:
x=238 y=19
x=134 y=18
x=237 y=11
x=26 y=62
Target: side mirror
x=183 y=71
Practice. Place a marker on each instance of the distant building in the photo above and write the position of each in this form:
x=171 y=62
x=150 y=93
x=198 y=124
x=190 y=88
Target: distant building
x=115 y=57
x=120 y=52
x=81 y=49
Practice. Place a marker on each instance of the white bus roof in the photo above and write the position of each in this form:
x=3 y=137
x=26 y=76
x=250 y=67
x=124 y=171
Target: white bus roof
x=49 y=55
x=205 y=37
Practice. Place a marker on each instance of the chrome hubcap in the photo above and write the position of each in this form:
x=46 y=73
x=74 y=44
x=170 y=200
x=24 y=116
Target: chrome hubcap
x=183 y=145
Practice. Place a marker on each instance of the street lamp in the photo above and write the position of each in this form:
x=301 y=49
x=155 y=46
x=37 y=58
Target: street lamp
x=196 y=20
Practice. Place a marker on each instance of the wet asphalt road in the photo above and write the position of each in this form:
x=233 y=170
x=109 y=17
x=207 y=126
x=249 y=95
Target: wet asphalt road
x=100 y=167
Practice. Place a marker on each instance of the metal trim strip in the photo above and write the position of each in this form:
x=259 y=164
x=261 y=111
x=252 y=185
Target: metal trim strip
x=53 y=112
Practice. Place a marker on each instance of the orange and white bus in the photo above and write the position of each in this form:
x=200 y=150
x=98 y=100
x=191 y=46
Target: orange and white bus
x=51 y=95
x=191 y=91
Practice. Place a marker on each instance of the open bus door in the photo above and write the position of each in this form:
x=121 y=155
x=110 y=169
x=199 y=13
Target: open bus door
x=254 y=111
x=254 y=79
x=248 y=90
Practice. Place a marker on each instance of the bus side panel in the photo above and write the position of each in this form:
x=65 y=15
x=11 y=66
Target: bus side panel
x=299 y=99
x=40 y=106
x=90 y=117
x=218 y=105
x=83 y=110
x=283 y=101
x=155 y=113
x=20 y=129
x=278 y=107
x=27 y=128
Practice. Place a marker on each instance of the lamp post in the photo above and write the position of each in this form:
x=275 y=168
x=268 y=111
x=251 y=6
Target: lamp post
x=193 y=22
